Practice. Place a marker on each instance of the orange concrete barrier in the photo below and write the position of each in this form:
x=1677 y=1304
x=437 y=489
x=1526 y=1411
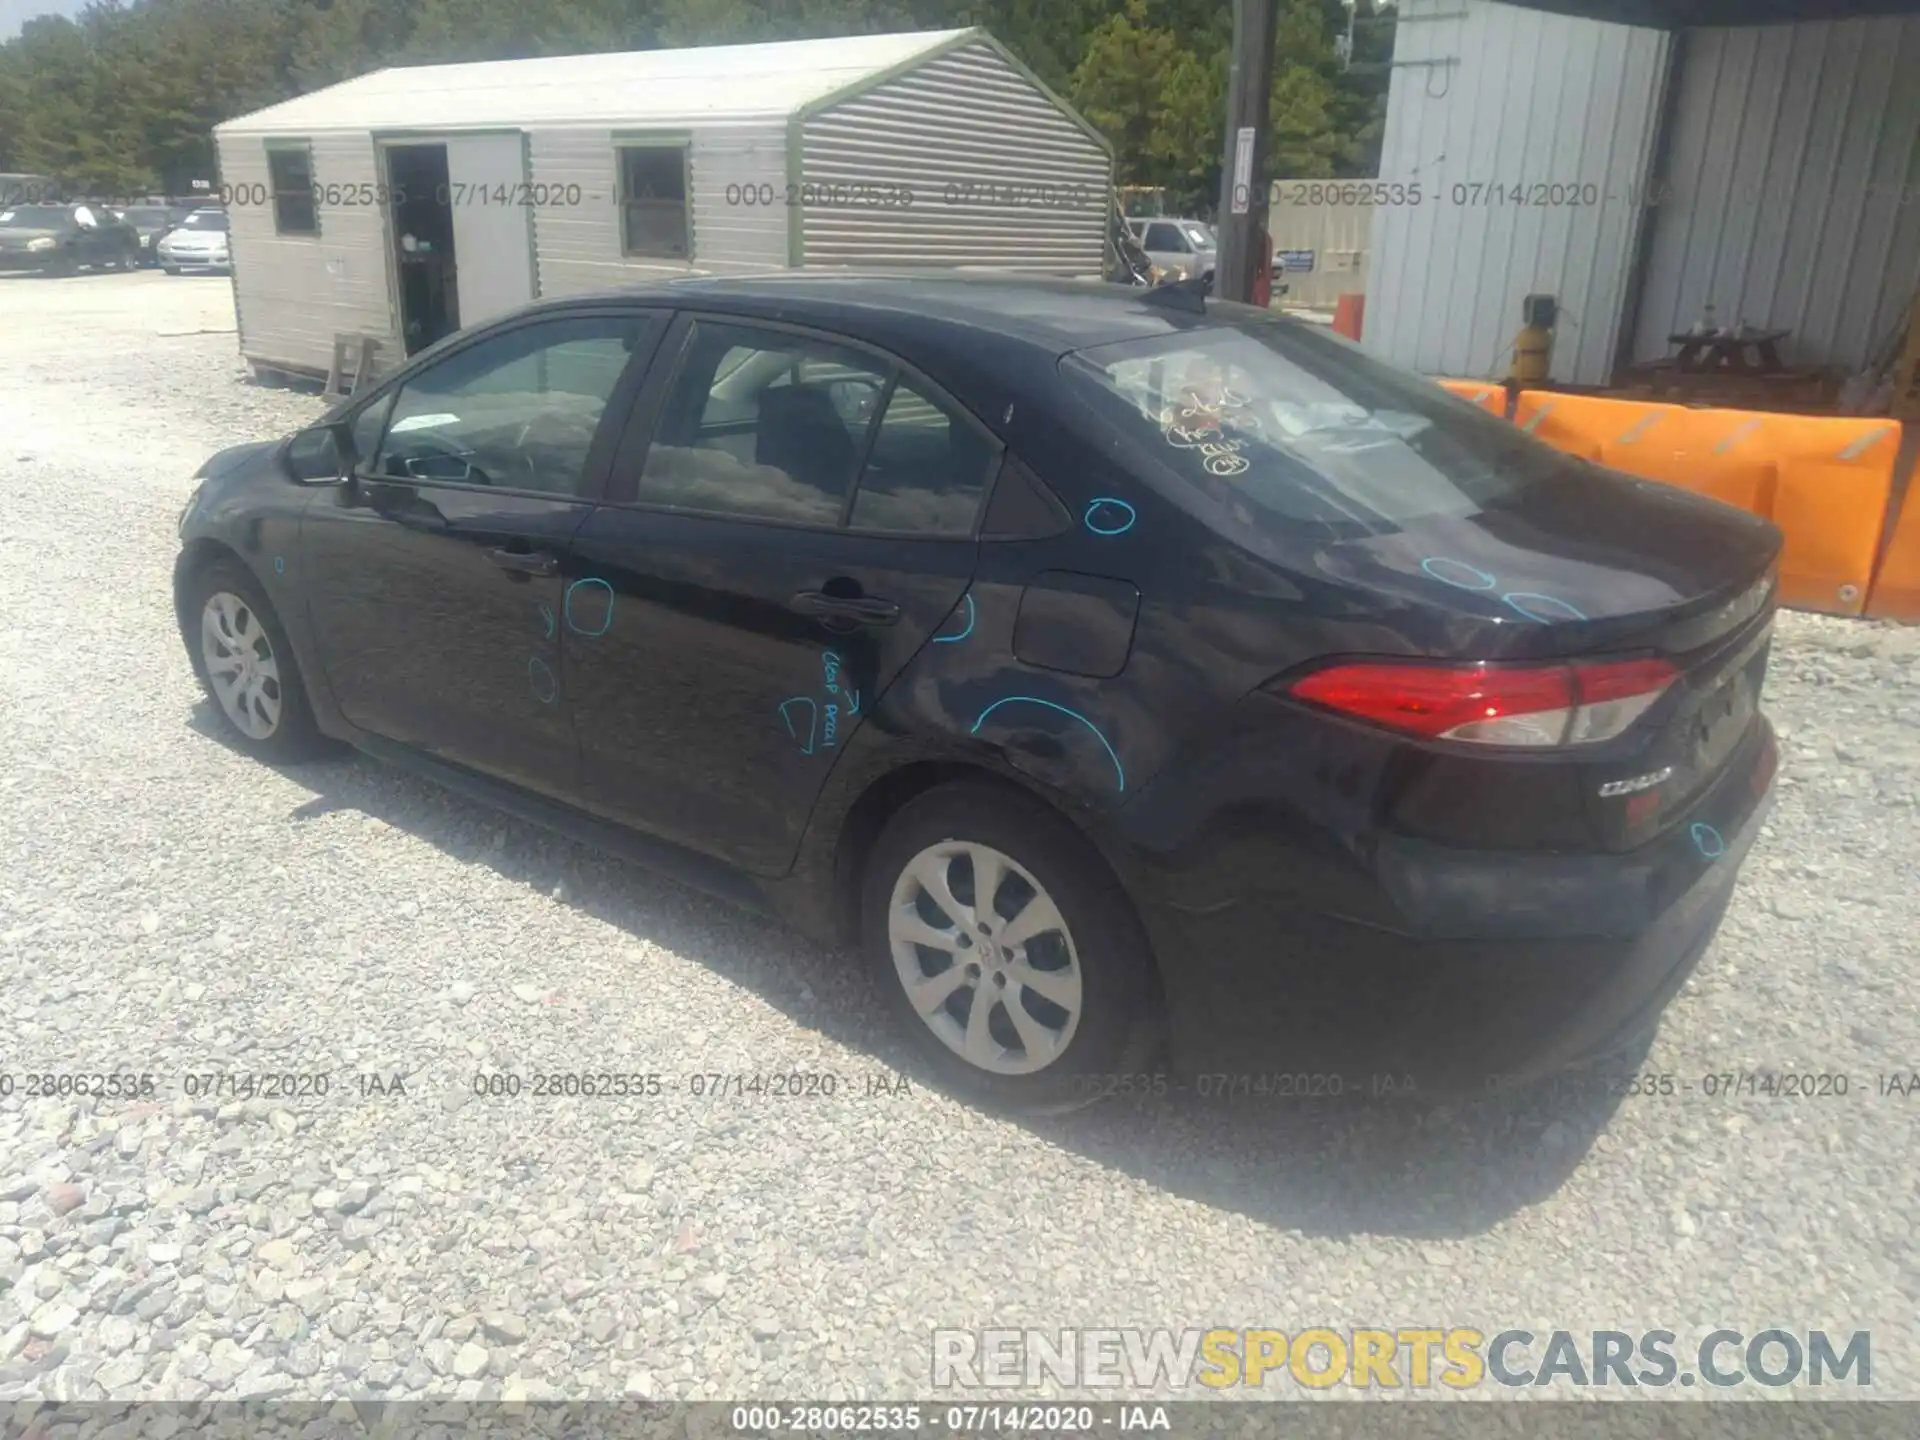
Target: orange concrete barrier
x=1896 y=589
x=1836 y=479
x=1576 y=424
x=1710 y=452
x=1489 y=395
x=1349 y=314
x=1825 y=482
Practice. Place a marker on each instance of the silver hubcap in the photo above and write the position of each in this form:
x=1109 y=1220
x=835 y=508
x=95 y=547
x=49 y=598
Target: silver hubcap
x=241 y=665
x=986 y=958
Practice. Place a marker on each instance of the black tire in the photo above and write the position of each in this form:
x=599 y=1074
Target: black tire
x=62 y=265
x=171 y=269
x=1118 y=1030
x=295 y=738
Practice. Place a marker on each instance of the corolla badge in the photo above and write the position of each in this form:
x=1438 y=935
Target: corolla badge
x=1635 y=785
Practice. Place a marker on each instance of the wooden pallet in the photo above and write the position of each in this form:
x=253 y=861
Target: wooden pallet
x=362 y=349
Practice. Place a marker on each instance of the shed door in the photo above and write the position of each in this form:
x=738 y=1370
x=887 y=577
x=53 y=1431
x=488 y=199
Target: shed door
x=492 y=231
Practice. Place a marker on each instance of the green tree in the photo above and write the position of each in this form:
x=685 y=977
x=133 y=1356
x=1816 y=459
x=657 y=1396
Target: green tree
x=1301 y=139
x=1158 y=102
x=126 y=95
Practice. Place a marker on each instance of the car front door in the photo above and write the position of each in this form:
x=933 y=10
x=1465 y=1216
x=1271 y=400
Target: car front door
x=436 y=579
x=791 y=518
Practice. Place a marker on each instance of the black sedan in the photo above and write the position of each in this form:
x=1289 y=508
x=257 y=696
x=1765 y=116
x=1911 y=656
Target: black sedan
x=1113 y=668
x=151 y=223
x=59 y=239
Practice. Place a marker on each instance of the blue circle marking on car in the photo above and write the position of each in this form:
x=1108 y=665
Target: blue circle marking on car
x=1119 y=773
x=567 y=607
x=1536 y=602
x=966 y=600
x=540 y=678
x=1109 y=525
x=1707 y=840
x=787 y=709
x=1433 y=563
x=279 y=564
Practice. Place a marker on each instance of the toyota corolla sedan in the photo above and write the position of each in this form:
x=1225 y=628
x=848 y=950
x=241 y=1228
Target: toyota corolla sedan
x=1126 y=675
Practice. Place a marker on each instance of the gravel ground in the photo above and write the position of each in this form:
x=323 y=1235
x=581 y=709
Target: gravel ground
x=168 y=907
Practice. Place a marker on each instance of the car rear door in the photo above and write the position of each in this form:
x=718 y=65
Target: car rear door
x=436 y=579
x=744 y=602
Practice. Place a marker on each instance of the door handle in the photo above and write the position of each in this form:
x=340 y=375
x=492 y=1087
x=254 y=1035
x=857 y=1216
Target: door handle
x=525 y=562
x=857 y=610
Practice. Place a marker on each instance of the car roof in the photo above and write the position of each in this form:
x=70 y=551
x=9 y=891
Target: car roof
x=947 y=308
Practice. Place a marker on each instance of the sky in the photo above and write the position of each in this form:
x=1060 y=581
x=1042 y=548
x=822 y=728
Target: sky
x=14 y=13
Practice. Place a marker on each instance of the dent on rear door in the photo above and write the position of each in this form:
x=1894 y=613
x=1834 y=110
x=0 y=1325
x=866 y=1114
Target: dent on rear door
x=1058 y=663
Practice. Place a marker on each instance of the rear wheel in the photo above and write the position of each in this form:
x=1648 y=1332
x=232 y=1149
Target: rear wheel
x=241 y=655
x=170 y=269
x=1007 y=950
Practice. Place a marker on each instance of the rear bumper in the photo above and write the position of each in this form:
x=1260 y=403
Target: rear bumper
x=1468 y=969
x=22 y=260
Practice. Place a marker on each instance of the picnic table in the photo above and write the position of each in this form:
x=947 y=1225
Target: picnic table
x=1757 y=352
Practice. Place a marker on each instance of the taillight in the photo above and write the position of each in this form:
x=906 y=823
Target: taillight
x=1579 y=703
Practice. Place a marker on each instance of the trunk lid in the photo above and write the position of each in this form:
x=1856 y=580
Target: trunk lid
x=1580 y=561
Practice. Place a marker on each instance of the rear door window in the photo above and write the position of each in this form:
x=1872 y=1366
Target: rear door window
x=1286 y=423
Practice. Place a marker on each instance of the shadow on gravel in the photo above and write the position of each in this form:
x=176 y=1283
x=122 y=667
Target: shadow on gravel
x=1344 y=1167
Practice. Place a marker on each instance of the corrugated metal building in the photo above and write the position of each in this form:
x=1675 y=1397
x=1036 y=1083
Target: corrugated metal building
x=1643 y=172
x=457 y=192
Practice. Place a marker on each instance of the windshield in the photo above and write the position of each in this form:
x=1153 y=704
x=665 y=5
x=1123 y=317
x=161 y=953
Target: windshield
x=1284 y=421
x=205 y=220
x=33 y=217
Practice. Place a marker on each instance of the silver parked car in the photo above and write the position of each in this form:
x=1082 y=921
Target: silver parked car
x=199 y=243
x=1185 y=249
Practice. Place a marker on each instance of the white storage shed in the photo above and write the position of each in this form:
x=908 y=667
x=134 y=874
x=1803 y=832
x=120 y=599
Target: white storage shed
x=408 y=202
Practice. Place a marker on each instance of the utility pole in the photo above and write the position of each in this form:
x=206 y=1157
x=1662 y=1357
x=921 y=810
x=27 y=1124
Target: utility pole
x=1242 y=175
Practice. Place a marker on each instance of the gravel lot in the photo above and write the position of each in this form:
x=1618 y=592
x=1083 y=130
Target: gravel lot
x=168 y=907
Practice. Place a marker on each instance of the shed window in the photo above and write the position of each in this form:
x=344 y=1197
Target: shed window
x=291 y=173
x=653 y=196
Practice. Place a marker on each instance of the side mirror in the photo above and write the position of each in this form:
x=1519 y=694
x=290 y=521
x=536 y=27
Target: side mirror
x=321 y=455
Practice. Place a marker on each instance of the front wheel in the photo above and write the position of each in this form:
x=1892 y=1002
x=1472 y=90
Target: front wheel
x=243 y=660
x=1007 y=950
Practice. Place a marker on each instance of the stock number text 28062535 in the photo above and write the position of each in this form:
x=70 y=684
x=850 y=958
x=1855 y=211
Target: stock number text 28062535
x=766 y=194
